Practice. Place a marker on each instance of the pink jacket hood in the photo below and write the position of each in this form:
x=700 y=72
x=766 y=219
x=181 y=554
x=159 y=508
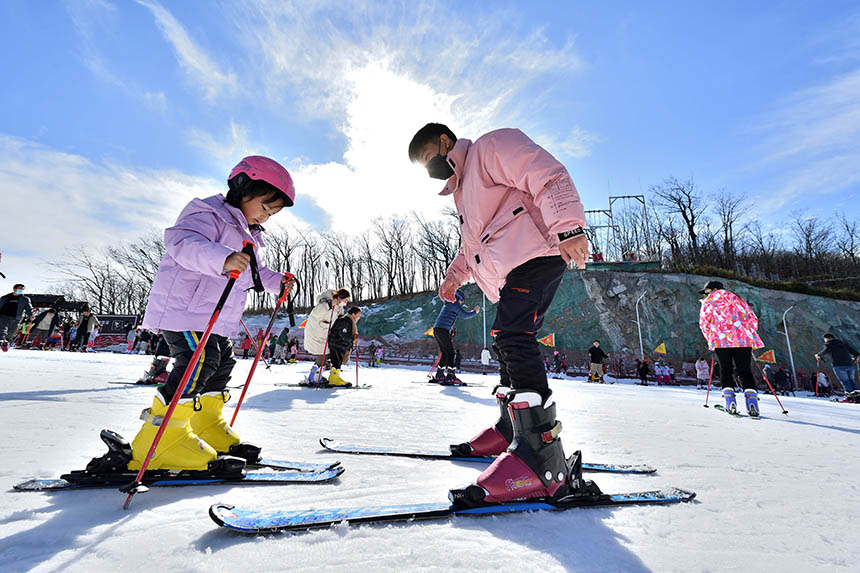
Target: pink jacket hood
x=189 y=280
x=513 y=198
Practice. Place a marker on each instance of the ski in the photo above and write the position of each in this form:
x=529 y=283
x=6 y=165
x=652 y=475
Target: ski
x=291 y=465
x=321 y=386
x=252 y=521
x=335 y=446
x=433 y=382
x=163 y=478
x=735 y=414
x=157 y=384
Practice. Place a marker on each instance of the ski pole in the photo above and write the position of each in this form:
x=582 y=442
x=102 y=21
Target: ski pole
x=282 y=296
x=254 y=342
x=137 y=486
x=784 y=411
x=710 y=377
x=356 y=360
x=325 y=346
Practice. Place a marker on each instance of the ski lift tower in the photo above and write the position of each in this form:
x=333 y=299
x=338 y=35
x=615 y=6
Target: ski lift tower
x=632 y=233
x=601 y=232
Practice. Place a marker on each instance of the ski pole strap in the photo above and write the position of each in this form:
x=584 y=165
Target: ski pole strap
x=248 y=248
x=552 y=434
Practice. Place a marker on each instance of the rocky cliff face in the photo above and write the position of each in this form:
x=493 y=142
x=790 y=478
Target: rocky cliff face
x=602 y=305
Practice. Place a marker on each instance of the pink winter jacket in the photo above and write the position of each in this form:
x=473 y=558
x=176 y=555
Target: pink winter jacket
x=189 y=281
x=513 y=199
x=727 y=321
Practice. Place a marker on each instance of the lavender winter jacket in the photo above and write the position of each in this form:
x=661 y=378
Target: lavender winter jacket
x=514 y=198
x=190 y=280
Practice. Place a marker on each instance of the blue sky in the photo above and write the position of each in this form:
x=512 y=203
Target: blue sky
x=115 y=114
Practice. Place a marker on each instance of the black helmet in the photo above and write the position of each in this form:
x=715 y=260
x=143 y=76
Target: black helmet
x=713 y=285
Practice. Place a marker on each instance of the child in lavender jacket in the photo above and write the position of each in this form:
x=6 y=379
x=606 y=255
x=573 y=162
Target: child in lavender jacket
x=201 y=248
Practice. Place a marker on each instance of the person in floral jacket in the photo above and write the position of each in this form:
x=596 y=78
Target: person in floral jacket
x=729 y=325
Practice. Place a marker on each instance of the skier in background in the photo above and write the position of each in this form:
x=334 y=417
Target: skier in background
x=44 y=325
x=85 y=328
x=14 y=307
x=521 y=223
x=343 y=333
x=844 y=359
x=451 y=311
x=729 y=325
x=329 y=308
x=596 y=356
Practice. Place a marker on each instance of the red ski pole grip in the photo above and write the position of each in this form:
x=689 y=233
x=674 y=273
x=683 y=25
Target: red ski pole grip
x=233 y=274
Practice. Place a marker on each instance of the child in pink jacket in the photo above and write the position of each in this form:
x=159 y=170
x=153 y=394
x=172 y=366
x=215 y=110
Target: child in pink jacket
x=521 y=223
x=201 y=249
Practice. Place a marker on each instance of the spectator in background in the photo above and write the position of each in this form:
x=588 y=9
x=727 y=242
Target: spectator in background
x=14 y=307
x=294 y=349
x=378 y=355
x=94 y=335
x=44 y=325
x=85 y=328
x=245 y=345
x=371 y=355
x=130 y=337
x=824 y=385
x=844 y=359
x=642 y=370
x=702 y=373
x=73 y=331
x=281 y=343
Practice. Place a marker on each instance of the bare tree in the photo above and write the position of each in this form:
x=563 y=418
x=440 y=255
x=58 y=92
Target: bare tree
x=683 y=198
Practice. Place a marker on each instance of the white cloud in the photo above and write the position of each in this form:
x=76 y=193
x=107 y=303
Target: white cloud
x=54 y=200
x=199 y=67
x=379 y=73
x=227 y=150
x=813 y=140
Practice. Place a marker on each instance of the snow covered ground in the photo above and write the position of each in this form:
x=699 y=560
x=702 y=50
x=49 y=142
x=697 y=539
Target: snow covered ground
x=777 y=494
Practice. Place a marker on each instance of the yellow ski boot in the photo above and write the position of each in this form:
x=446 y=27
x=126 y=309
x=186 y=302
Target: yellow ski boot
x=209 y=422
x=334 y=378
x=179 y=448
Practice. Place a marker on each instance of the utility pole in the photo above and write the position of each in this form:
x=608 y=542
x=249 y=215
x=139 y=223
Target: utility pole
x=788 y=343
x=639 y=327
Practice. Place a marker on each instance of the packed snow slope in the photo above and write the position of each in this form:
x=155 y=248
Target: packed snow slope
x=776 y=494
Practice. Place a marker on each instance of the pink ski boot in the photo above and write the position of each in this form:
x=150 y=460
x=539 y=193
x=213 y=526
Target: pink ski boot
x=534 y=466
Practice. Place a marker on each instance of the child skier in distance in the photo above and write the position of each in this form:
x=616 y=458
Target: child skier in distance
x=328 y=309
x=343 y=333
x=730 y=327
x=451 y=311
x=201 y=249
x=521 y=223
x=702 y=373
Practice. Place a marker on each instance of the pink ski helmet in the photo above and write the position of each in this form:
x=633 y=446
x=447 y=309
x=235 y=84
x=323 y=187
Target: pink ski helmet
x=261 y=168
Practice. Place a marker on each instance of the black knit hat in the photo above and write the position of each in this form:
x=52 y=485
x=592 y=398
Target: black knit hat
x=713 y=285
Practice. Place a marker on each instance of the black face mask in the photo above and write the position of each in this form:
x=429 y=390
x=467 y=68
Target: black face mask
x=438 y=167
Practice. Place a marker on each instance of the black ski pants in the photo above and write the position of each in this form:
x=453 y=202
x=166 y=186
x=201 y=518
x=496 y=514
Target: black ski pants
x=446 y=347
x=212 y=371
x=736 y=359
x=525 y=298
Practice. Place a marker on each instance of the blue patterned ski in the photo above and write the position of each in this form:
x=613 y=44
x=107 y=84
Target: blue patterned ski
x=253 y=521
x=281 y=465
x=165 y=478
x=335 y=446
